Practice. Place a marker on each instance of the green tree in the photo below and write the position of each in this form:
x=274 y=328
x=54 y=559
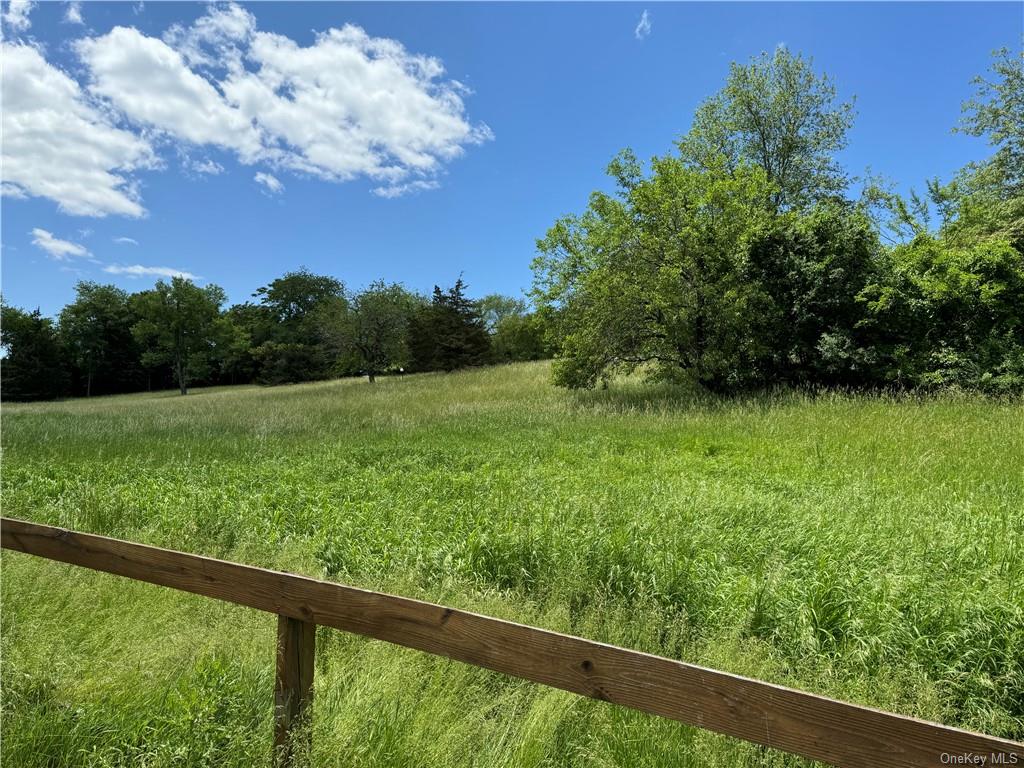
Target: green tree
x=496 y=307
x=777 y=113
x=247 y=328
x=519 y=338
x=812 y=266
x=179 y=326
x=33 y=366
x=654 y=276
x=948 y=316
x=292 y=345
x=449 y=332
x=996 y=112
x=97 y=331
x=986 y=199
x=376 y=327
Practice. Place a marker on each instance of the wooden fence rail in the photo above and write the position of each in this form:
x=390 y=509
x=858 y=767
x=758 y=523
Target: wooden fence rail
x=783 y=718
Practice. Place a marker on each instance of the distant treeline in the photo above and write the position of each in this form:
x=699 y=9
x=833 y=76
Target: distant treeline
x=301 y=327
x=741 y=261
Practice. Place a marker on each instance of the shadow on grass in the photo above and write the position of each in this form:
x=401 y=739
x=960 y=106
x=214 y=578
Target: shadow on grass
x=634 y=395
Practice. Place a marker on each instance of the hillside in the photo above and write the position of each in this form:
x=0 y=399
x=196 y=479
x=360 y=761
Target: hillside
x=864 y=547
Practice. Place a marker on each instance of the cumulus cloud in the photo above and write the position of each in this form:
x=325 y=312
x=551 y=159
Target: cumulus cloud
x=126 y=241
x=273 y=185
x=73 y=14
x=137 y=270
x=213 y=40
x=150 y=84
x=57 y=145
x=16 y=16
x=55 y=247
x=643 y=27
x=347 y=106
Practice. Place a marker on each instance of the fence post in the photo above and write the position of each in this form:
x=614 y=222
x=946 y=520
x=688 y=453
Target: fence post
x=293 y=689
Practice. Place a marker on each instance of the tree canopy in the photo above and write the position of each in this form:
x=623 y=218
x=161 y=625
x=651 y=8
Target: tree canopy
x=178 y=325
x=739 y=263
x=775 y=112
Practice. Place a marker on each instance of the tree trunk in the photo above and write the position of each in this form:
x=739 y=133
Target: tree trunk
x=182 y=384
x=88 y=384
x=372 y=376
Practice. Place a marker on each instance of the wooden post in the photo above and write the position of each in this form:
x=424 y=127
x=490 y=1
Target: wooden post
x=293 y=689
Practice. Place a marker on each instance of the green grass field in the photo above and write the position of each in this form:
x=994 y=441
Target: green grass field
x=867 y=548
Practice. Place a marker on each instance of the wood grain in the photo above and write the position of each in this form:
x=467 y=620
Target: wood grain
x=801 y=723
x=293 y=688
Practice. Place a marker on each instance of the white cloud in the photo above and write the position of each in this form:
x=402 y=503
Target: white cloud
x=149 y=82
x=12 y=190
x=59 y=146
x=55 y=247
x=16 y=15
x=213 y=39
x=137 y=270
x=398 y=190
x=349 y=105
x=73 y=15
x=346 y=106
x=126 y=241
x=270 y=182
x=205 y=166
x=643 y=27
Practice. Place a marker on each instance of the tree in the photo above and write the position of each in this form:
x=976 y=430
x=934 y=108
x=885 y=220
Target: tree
x=178 y=326
x=986 y=199
x=448 y=333
x=97 y=330
x=997 y=113
x=293 y=297
x=948 y=316
x=33 y=364
x=376 y=327
x=247 y=327
x=654 y=276
x=518 y=338
x=292 y=344
x=495 y=307
x=812 y=266
x=776 y=113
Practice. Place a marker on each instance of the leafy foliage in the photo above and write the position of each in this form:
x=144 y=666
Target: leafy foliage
x=376 y=328
x=33 y=365
x=96 y=329
x=290 y=344
x=950 y=316
x=777 y=113
x=179 y=325
x=738 y=265
x=448 y=333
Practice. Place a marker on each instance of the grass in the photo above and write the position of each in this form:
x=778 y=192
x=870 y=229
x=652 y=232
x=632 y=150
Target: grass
x=868 y=548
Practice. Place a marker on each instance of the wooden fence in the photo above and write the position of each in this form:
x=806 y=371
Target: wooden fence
x=794 y=721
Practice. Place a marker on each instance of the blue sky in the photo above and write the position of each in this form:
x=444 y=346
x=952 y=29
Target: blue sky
x=394 y=169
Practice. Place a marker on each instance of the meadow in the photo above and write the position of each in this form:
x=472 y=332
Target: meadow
x=863 y=547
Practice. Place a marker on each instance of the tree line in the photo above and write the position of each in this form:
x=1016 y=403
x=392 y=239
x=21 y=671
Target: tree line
x=300 y=327
x=741 y=260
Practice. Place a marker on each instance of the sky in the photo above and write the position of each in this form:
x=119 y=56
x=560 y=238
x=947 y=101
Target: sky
x=407 y=142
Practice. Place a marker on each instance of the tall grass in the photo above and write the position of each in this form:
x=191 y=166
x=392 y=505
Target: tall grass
x=863 y=547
